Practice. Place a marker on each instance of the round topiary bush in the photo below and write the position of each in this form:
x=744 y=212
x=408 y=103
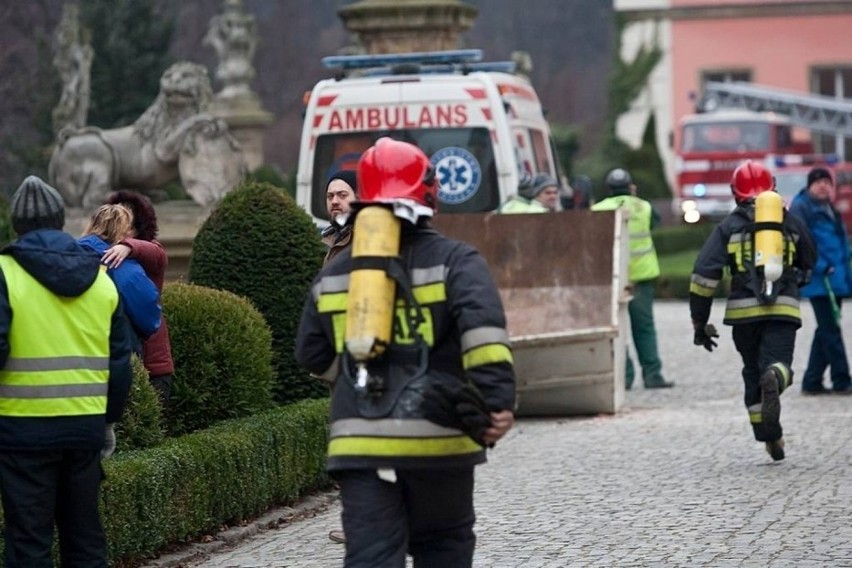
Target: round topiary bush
x=222 y=349
x=259 y=244
x=141 y=426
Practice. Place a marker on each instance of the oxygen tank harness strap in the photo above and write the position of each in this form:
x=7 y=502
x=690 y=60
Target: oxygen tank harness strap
x=400 y=365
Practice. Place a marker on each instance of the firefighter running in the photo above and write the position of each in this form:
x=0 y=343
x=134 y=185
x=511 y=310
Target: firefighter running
x=417 y=397
x=763 y=305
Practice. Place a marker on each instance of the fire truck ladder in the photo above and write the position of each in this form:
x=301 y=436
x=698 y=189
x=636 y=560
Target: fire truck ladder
x=818 y=113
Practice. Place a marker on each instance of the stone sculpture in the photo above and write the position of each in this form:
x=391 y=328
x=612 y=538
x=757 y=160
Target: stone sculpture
x=233 y=37
x=72 y=57
x=175 y=138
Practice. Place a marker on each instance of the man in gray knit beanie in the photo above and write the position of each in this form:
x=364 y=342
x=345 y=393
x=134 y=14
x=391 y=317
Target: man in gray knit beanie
x=65 y=373
x=36 y=205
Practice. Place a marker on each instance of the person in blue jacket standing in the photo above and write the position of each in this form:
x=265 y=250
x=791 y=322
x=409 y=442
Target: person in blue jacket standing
x=831 y=281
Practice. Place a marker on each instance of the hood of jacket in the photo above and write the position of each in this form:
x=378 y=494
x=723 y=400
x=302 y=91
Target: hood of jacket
x=56 y=260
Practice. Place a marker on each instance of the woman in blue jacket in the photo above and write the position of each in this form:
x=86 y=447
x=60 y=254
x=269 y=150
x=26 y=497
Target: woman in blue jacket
x=831 y=281
x=109 y=225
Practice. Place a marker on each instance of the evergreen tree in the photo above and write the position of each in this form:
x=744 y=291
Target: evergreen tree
x=131 y=41
x=626 y=82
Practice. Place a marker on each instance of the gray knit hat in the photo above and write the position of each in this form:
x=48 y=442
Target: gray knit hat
x=36 y=205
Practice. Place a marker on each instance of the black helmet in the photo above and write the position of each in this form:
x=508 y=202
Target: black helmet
x=619 y=178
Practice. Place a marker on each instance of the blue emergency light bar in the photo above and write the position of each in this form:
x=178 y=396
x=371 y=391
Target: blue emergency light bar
x=489 y=66
x=806 y=160
x=456 y=56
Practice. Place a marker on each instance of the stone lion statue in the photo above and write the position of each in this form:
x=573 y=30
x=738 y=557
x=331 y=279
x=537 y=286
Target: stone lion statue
x=175 y=138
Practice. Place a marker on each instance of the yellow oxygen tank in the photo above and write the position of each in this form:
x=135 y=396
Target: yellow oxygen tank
x=372 y=293
x=768 y=240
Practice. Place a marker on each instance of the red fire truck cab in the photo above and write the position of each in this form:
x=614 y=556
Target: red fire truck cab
x=712 y=145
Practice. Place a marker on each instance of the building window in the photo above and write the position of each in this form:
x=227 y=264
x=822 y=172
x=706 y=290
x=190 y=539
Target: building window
x=833 y=82
x=726 y=76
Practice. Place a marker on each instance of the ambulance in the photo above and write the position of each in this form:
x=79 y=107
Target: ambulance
x=481 y=124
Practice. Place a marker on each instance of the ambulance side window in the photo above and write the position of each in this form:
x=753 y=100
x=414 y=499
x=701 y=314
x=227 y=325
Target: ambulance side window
x=540 y=155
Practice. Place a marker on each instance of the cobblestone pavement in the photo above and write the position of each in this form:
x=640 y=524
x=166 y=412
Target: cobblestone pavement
x=675 y=479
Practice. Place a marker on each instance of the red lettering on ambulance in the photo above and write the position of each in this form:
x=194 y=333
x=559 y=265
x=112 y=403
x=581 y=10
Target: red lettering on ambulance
x=407 y=122
x=425 y=117
x=391 y=117
x=374 y=118
x=354 y=119
x=461 y=115
x=444 y=115
x=334 y=122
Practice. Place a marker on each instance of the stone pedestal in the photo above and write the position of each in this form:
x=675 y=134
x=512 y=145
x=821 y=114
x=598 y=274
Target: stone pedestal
x=247 y=122
x=401 y=26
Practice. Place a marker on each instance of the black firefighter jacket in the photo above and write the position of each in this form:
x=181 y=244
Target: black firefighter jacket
x=731 y=245
x=464 y=327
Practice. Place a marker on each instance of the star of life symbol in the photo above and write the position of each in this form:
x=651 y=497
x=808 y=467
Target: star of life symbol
x=458 y=174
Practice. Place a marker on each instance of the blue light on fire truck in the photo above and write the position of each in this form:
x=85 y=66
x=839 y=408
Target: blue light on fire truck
x=700 y=190
x=807 y=160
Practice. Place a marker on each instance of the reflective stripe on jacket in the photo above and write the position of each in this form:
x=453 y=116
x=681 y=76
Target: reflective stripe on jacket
x=731 y=245
x=464 y=328
x=58 y=363
x=643 y=257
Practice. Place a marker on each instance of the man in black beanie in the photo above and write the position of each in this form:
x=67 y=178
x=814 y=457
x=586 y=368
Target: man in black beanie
x=59 y=313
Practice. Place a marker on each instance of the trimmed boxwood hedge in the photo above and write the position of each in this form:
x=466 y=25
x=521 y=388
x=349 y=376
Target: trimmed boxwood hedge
x=193 y=484
x=260 y=244
x=141 y=426
x=222 y=348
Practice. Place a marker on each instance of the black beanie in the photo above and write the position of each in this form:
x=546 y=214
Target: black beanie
x=346 y=175
x=36 y=205
x=817 y=174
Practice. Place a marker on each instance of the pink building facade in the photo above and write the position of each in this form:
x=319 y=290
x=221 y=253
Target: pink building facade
x=800 y=45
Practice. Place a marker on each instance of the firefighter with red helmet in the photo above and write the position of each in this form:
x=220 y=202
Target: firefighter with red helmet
x=768 y=254
x=409 y=326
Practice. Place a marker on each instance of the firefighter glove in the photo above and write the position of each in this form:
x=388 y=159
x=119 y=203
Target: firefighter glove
x=458 y=406
x=704 y=335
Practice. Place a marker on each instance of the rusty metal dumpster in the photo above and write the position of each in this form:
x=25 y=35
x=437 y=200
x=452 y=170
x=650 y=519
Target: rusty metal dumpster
x=563 y=281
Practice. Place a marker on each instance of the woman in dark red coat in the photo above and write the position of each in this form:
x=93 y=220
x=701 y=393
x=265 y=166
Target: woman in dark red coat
x=145 y=248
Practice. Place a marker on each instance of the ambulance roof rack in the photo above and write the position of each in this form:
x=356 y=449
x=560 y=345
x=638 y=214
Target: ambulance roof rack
x=349 y=62
x=408 y=69
x=426 y=62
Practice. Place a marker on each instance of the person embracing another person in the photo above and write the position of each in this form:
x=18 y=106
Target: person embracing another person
x=108 y=225
x=143 y=247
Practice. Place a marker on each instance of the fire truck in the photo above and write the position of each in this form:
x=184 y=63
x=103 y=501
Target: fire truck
x=713 y=144
x=741 y=121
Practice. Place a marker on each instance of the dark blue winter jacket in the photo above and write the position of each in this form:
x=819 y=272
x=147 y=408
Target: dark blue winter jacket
x=829 y=235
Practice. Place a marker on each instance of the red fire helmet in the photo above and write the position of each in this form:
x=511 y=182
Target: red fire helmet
x=391 y=170
x=749 y=179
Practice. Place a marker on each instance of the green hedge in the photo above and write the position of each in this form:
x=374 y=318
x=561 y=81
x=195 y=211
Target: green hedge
x=141 y=426
x=680 y=238
x=260 y=244
x=193 y=484
x=222 y=349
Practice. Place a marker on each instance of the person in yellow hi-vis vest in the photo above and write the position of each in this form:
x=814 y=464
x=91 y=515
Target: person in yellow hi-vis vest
x=64 y=379
x=643 y=272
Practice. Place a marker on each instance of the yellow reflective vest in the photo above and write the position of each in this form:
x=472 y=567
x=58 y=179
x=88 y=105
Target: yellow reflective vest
x=58 y=362
x=643 y=257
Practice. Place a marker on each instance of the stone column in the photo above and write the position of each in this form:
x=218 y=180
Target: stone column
x=232 y=34
x=401 y=26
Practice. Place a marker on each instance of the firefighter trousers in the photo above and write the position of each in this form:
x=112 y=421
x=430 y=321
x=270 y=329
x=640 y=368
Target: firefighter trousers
x=426 y=513
x=762 y=345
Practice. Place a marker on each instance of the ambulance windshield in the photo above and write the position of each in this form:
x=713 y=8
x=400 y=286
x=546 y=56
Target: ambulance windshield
x=463 y=159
